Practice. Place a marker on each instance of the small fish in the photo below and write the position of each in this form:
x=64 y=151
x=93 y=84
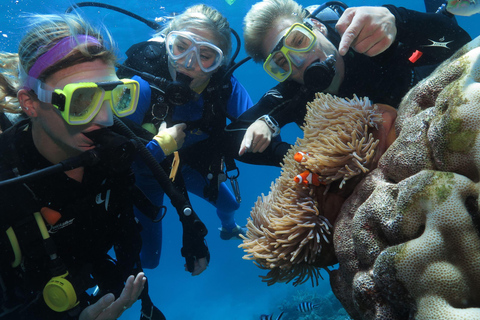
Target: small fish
x=270 y=317
x=301 y=156
x=307 y=307
x=463 y=7
x=307 y=177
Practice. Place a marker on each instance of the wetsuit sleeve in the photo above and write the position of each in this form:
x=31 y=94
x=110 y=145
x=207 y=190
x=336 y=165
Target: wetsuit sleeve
x=144 y=101
x=239 y=100
x=274 y=104
x=436 y=35
x=156 y=150
x=277 y=103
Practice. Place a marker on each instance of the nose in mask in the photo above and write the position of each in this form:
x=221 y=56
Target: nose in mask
x=104 y=117
x=190 y=60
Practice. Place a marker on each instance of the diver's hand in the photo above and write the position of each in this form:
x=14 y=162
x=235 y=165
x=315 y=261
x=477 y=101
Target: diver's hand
x=368 y=30
x=200 y=265
x=176 y=132
x=194 y=249
x=256 y=139
x=107 y=308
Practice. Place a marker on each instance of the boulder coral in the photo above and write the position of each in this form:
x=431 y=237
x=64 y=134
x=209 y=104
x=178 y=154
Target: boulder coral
x=408 y=238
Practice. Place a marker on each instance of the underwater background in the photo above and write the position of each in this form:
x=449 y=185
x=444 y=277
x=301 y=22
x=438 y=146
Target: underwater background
x=230 y=288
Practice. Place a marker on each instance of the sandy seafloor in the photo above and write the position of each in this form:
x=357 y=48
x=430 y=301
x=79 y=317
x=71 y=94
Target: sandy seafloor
x=230 y=289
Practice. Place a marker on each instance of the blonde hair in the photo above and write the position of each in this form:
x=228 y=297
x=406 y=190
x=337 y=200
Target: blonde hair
x=203 y=17
x=9 y=83
x=262 y=17
x=45 y=32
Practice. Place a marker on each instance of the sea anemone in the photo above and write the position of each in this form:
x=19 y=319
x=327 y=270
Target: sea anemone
x=287 y=232
x=338 y=135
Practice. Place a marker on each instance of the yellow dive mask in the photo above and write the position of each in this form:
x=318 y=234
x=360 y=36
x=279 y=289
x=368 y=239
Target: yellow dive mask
x=298 y=40
x=79 y=103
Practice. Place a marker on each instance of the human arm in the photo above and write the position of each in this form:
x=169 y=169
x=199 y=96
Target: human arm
x=279 y=104
x=170 y=139
x=258 y=135
x=107 y=308
x=194 y=249
x=437 y=36
x=166 y=140
x=256 y=139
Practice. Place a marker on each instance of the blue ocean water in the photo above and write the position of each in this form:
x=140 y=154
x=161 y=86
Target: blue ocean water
x=230 y=288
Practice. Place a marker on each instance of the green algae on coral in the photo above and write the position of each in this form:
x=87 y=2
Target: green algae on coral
x=440 y=187
x=459 y=140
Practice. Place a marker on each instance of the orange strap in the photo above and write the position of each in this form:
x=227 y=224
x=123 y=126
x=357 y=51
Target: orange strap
x=175 y=165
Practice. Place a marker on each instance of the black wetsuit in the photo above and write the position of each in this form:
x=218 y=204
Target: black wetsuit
x=385 y=78
x=96 y=215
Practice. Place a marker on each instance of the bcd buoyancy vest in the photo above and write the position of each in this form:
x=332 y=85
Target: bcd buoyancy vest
x=151 y=57
x=26 y=264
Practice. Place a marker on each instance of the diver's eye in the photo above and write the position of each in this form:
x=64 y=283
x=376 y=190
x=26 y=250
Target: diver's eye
x=281 y=61
x=180 y=48
x=300 y=41
x=181 y=45
x=205 y=57
x=206 y=54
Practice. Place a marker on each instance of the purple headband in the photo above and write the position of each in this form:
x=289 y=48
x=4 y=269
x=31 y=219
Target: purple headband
x=58 y=52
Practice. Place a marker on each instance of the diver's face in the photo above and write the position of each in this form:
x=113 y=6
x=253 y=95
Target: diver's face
x=321 y=49
x=192 y=68
x=51 y=131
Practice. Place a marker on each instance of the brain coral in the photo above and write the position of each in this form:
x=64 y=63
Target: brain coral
x=408 y=238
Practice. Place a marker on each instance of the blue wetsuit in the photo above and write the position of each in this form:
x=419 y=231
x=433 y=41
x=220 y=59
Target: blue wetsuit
x=195 y=181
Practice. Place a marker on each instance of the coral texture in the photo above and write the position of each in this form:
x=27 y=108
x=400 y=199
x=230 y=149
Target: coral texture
x=408 y=238
x=289 y=232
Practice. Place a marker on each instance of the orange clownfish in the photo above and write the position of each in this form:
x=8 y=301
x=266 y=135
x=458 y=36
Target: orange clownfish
x=307 y=177
x=301 y=156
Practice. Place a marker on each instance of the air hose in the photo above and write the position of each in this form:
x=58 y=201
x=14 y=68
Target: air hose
x=179 y=201
x=194 y=230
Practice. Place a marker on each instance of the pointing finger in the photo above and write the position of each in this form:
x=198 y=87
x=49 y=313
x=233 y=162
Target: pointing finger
x=163 y=126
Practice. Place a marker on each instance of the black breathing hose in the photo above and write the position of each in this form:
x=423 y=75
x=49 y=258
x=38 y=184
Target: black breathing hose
x=194 y=230
x=151 y=24
x=179 y=201
x=87 y=158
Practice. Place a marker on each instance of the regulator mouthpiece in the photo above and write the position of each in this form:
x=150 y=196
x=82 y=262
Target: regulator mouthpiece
x=319 y=75
x=115 y=151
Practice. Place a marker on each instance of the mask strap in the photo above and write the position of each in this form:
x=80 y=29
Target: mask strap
x=42 y=90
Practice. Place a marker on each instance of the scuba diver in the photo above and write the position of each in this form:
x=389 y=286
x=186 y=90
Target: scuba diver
x=58 y=229
x=186 y=96
x=377 y=52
